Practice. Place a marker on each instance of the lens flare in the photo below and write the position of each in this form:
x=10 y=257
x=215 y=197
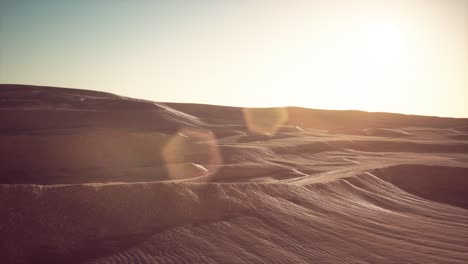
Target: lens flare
x=265 y=120
x=191 y=153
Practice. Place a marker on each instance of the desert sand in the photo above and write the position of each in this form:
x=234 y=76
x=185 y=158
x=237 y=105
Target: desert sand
x=92 y=177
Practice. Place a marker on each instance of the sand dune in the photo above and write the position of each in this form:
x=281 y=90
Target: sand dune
x=91 y=177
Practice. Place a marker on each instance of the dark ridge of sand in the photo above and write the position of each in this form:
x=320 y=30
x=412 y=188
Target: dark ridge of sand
x=91 y=177
x=325 y=119
x=36 y=110
x=443 y=184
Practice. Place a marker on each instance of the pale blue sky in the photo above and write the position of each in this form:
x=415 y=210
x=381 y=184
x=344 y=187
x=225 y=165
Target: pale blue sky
x=407 y=56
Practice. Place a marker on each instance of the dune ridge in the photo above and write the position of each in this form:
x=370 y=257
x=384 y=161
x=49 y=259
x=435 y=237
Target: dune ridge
x=91 y=177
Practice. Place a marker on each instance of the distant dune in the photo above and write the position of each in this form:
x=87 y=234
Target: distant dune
x=92 y=177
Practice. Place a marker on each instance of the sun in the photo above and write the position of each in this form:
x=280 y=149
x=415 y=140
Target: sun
x=358 y=66
x=382 y=43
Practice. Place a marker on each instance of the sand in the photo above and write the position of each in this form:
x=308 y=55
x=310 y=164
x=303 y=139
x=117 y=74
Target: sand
x=92 y=177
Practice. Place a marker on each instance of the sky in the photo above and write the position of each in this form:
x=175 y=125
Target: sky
x=403 y=56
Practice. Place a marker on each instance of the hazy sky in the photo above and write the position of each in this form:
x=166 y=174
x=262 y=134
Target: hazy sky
x=407 y=56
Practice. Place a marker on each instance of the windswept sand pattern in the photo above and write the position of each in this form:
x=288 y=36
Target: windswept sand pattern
x=341 y=222
x=90 y=177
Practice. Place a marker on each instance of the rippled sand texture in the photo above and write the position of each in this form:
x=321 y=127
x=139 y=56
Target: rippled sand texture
x=91 y=177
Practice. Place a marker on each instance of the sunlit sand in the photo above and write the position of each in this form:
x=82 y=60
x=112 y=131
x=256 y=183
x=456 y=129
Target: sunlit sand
x=92 y=177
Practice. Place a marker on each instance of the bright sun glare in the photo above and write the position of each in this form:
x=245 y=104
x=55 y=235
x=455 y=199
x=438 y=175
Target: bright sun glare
x=363 y=62
x=382 y=43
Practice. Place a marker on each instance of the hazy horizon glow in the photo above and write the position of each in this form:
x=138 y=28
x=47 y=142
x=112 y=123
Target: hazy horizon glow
x=404 y=56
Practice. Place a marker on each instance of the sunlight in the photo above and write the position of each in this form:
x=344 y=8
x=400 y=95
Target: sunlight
x=382 y=43
x=356 y=67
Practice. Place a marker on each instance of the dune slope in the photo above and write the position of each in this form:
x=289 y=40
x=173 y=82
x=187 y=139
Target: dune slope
x=91 y=177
